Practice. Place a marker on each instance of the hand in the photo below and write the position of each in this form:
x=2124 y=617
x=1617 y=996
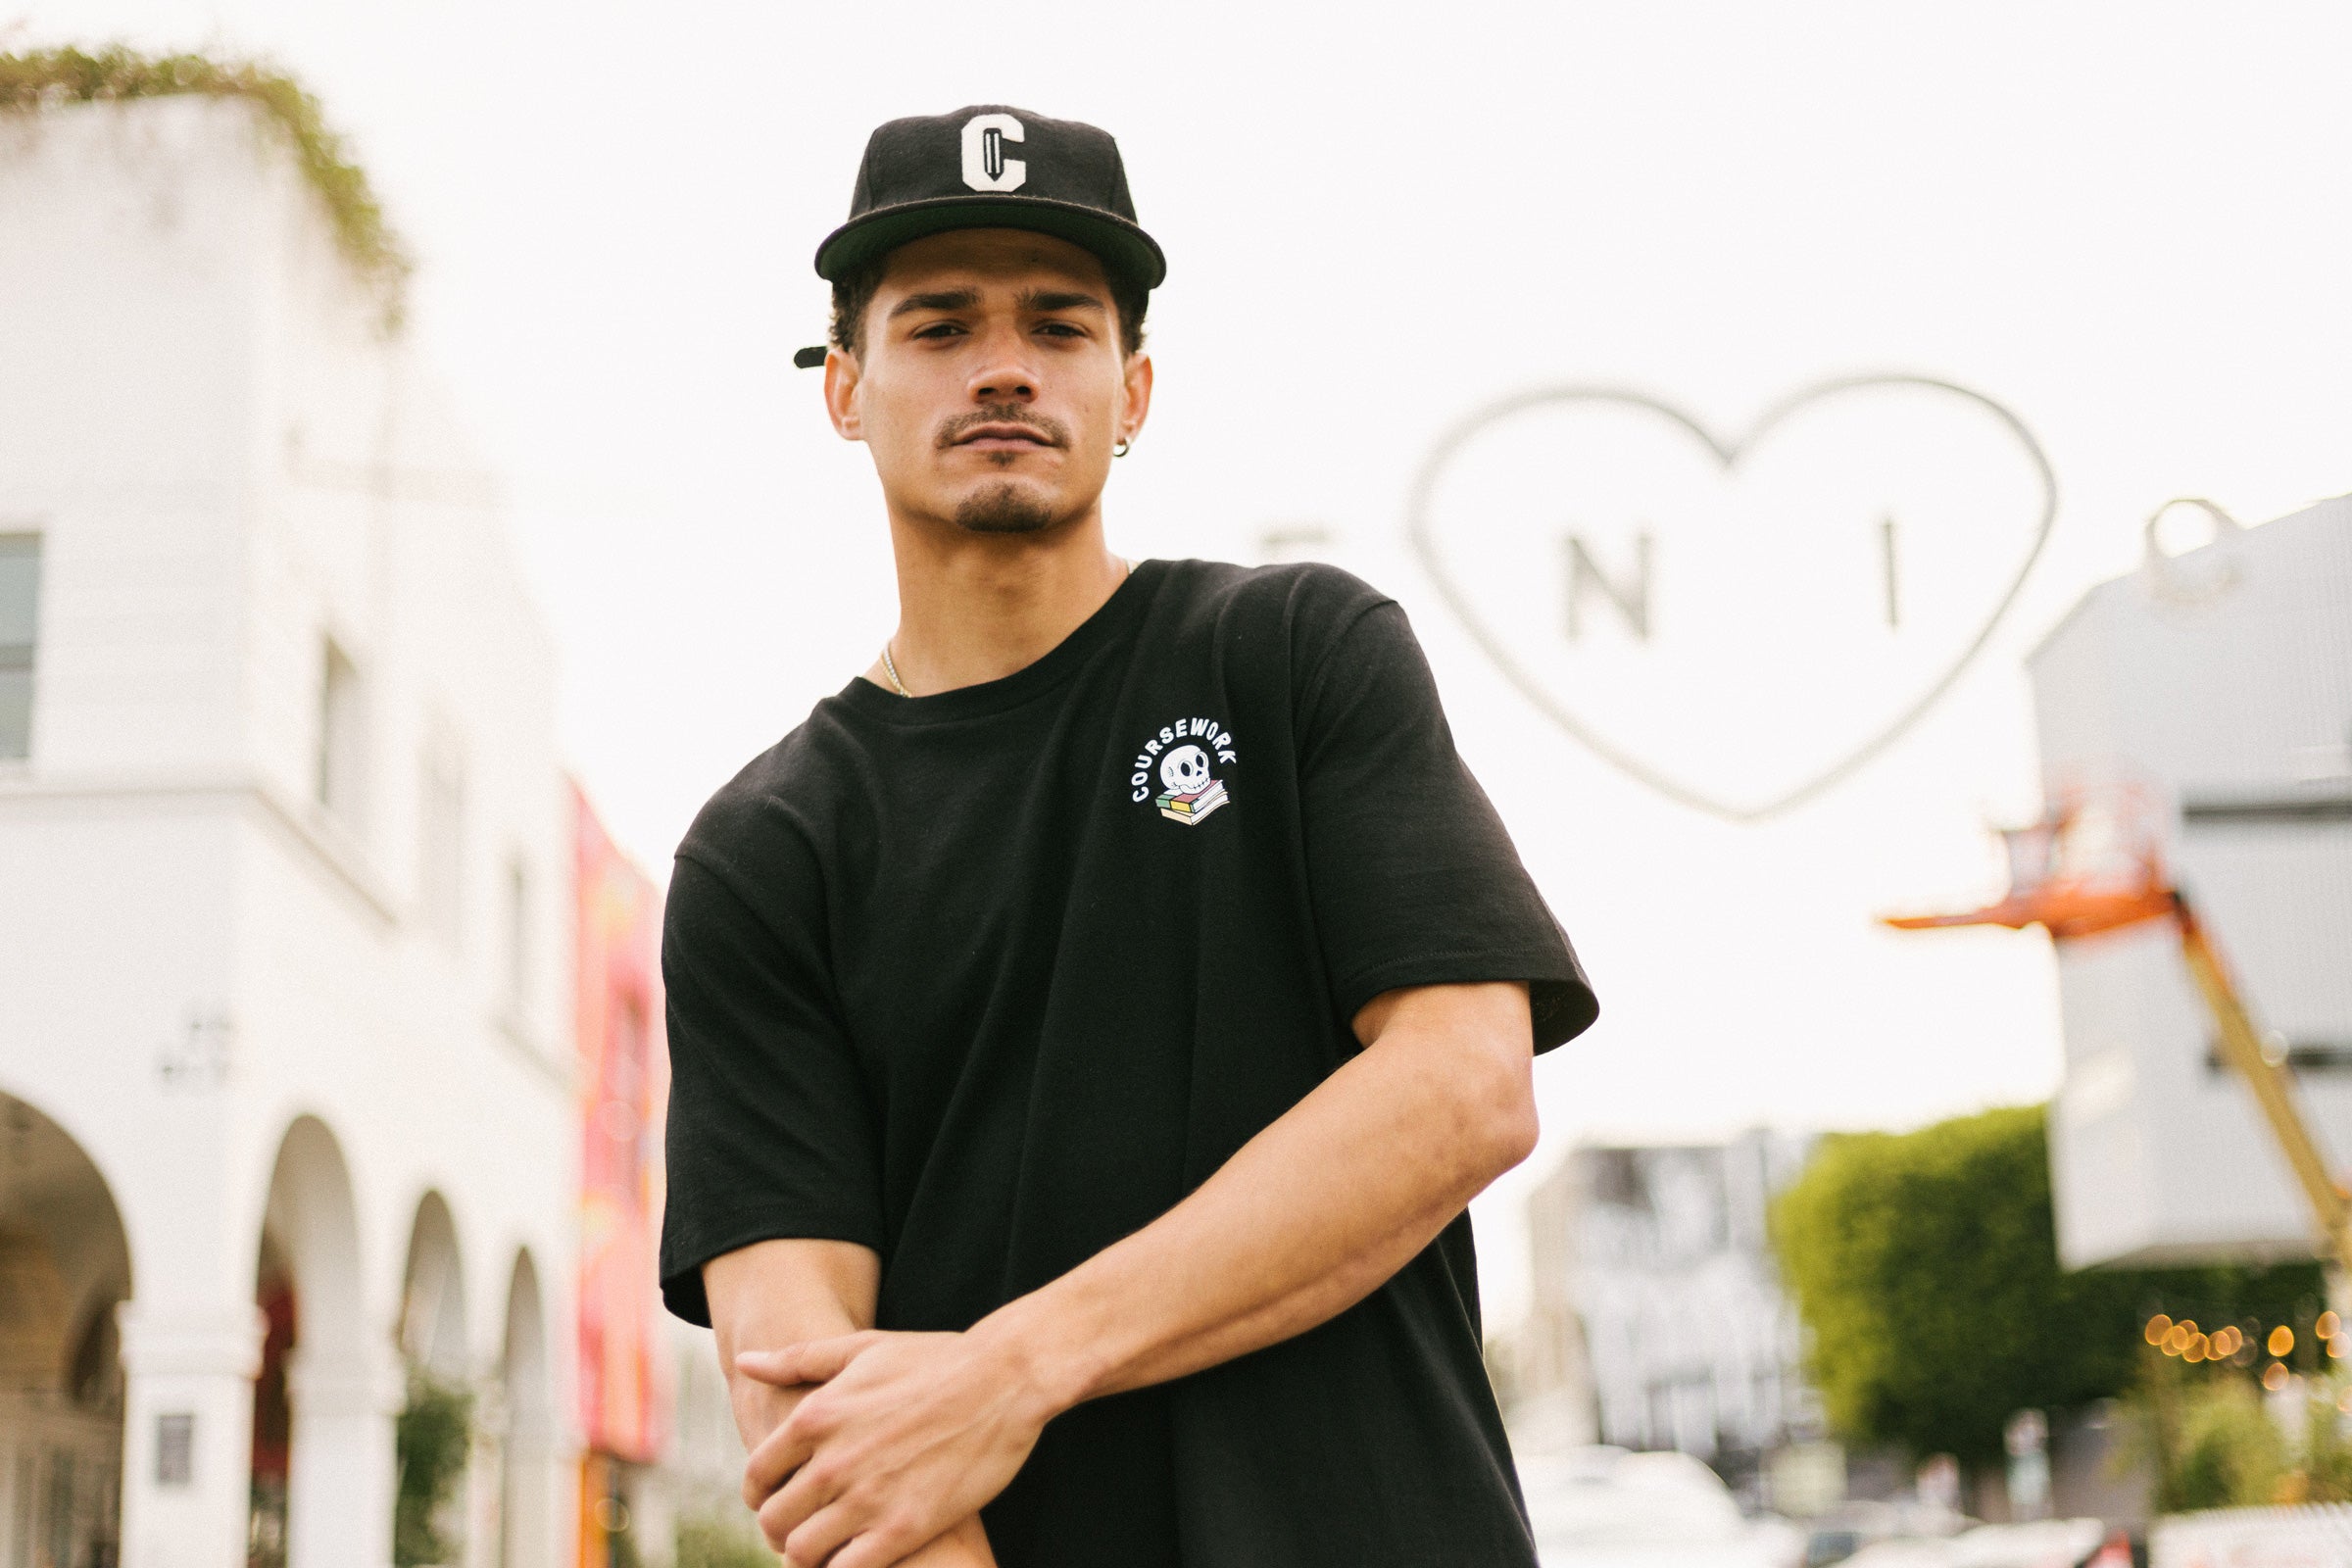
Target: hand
x=908 y=1435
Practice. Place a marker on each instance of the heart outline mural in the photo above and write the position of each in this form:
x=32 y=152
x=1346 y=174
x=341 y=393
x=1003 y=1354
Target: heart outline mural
x=1728 y=455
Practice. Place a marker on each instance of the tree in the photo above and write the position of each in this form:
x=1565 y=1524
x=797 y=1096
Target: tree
x=1925 y=1265
x=720 y=1540
x=434 y=1431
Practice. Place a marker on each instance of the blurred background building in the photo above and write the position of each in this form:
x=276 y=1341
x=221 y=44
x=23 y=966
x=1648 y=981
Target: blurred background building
x=1658 y=1321
x=2214 y=686
x=329 y=1046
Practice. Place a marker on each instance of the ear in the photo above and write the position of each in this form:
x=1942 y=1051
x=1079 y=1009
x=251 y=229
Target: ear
x=841 y=395
x=1137 y=385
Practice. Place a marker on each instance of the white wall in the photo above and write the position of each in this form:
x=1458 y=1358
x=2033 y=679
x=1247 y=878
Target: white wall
x=229 y=462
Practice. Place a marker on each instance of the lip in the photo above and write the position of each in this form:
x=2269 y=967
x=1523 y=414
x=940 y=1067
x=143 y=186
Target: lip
x=1007 y=436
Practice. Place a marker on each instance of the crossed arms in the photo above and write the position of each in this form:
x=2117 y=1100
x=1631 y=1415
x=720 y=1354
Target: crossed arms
x=872 y=1449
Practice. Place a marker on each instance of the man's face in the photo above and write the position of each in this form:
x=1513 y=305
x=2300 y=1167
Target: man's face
x=990 y=382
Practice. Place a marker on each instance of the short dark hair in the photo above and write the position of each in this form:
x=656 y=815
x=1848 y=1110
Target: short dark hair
x=854 y=290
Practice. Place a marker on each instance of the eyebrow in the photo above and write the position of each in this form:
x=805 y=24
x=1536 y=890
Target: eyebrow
x=1041 y=299
x=964 y=299
x=951 y=298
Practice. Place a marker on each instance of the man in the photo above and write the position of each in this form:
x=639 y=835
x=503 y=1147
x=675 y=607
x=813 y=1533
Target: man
x=1089 y=1027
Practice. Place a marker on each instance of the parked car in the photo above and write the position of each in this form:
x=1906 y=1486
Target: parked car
x=1603 y=1507
x=1862 y=1525
x=2046 y=1543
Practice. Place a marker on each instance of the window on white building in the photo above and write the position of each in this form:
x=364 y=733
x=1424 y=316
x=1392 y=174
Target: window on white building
x=516 y=968
x=441 y=842
x=20 y=628
x=342 y=735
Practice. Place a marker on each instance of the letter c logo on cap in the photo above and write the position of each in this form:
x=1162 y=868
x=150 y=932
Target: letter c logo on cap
x=985 y=166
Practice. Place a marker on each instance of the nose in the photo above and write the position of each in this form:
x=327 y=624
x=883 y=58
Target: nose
x=1004 y=373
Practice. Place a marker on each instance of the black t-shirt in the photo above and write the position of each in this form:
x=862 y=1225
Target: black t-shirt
x=987 y=980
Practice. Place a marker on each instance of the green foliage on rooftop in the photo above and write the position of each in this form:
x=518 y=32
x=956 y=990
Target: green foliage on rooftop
x=41 y=78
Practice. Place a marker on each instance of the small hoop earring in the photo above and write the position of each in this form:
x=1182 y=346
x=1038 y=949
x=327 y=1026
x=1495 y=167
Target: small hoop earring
x=1122 y=449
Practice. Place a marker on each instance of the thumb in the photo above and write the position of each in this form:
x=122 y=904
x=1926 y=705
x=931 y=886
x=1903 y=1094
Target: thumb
x=811 y=1361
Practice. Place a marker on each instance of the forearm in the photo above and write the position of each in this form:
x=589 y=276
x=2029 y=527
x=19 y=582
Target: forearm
x=782 y=1293
x=1303 y=1222
x=774 y=1293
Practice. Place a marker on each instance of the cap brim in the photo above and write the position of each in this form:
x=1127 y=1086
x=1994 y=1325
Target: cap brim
x=1119 y=245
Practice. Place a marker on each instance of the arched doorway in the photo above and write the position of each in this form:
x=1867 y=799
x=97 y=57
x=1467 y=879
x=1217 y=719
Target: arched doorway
x=64 y=1266
x=528 y=1509
x=432 y=1310
x=437 y=1420
x=273 y=1410
x=331 y=1390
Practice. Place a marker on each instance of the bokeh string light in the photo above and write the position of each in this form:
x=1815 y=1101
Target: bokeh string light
x=2232 y=1345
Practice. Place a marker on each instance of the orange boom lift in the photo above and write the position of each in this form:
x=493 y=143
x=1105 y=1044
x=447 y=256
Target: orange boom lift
x=2097 y=864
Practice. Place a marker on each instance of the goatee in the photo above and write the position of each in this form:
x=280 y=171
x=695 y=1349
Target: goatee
x=1002 y=509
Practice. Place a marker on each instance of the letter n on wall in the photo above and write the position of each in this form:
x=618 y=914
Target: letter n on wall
x=1587 y=580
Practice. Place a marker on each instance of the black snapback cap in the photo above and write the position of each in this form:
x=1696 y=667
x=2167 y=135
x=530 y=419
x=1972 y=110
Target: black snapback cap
x=992 y=166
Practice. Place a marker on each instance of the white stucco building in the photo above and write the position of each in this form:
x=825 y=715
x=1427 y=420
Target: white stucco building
x=284 y=1014
x=2216 y=686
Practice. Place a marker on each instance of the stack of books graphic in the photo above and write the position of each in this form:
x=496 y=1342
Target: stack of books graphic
x=1190 y=809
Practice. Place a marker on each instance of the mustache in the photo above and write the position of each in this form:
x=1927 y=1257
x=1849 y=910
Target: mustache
x=951 y=430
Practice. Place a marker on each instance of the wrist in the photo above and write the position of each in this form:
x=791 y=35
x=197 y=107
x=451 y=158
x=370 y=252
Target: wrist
x=1041 y=1358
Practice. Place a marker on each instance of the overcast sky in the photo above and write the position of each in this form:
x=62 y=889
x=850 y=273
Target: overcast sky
x=2127 y=224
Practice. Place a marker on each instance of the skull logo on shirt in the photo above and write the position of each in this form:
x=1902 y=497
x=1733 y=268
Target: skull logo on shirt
x=1184 y=770
x=1184 y=756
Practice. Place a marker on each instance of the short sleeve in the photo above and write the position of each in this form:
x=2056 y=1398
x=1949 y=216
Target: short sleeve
x=771 y=1131
x=1414 y=880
